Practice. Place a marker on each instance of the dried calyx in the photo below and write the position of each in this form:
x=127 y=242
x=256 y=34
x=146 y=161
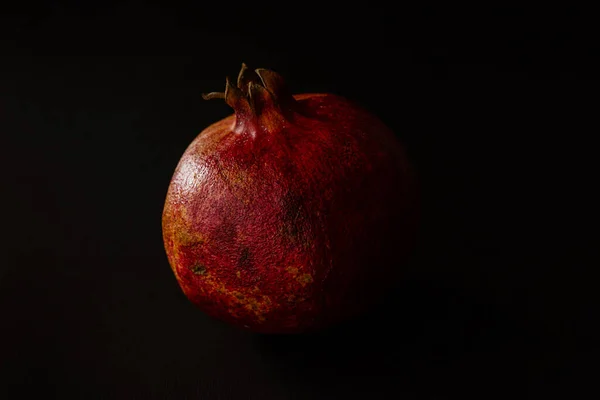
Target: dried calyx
x=259 y=93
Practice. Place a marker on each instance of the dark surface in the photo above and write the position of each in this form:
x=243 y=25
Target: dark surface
x=497 y=111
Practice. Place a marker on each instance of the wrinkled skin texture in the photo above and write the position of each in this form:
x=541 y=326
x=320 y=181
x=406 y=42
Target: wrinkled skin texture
x=290 y=224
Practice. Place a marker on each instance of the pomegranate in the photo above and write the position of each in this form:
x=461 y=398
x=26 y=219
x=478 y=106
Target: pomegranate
x=291 y=215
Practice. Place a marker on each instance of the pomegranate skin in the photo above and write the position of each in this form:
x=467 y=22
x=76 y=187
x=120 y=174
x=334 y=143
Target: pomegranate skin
x=291 y=215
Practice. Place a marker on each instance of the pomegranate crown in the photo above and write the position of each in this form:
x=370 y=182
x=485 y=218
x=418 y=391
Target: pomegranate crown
x=255 y=92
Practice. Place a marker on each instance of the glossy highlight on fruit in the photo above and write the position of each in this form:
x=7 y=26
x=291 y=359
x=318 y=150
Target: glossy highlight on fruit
x=291 y=215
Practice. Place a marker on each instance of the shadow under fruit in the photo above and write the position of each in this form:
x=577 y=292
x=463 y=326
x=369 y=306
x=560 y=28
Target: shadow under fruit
x=284 y=217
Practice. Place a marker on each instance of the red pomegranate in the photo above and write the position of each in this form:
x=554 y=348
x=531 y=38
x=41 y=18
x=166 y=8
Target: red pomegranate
x=291 y=215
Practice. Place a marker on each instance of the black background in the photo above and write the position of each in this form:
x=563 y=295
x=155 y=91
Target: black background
x=497 y=109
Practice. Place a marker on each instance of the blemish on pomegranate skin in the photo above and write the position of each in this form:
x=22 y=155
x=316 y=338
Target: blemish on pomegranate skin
x=244 y=259
x=198 y=269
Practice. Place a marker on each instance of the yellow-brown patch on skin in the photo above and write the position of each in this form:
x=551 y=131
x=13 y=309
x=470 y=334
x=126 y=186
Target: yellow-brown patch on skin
x=181 y=214
x=305 y=279
x=238 y=274
x=259 y=307
x=186 y=238
x=257 y=304
x=181 y=232
x=238 y=295
x=293 y=299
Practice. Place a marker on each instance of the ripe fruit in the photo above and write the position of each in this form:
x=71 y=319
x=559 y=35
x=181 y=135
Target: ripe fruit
x=292 y=214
